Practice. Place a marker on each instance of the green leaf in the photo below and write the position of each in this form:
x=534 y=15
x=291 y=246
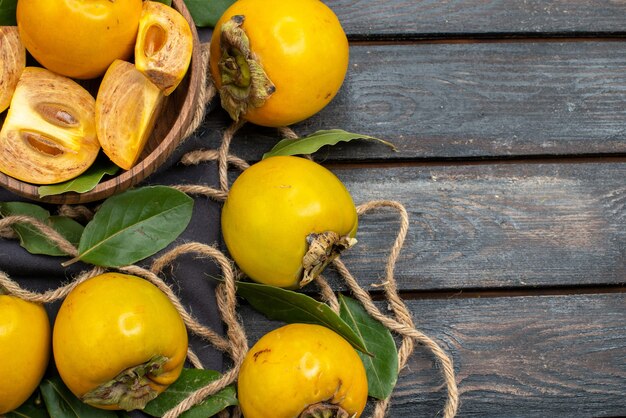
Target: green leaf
x=189 y=381
x=382 y=366
x=168 y=2
x=83 y=183
x=22 y=208
x=134 y=225
x=68 y=227
x=61 y=403
x=206 y=13
x=311 y=143
x=31 y=238
x=32 y=408
x=293 y=307
x=7 y=12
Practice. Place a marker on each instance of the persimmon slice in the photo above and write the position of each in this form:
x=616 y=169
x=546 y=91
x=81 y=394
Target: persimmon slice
x=127 y=106
x=49 y=134
x=164 y=45
x=12 y=63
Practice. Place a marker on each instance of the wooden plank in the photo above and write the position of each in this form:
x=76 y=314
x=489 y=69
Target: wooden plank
x=481 y=226
x=468 y=100
x=431 y=18
x=552 y=356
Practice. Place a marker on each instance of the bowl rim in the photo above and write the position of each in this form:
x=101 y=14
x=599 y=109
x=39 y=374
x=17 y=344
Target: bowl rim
x=147 y=165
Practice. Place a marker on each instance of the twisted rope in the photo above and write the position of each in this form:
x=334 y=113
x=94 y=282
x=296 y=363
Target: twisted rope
x=235 y=343
x=206 y=92
x=403 y=323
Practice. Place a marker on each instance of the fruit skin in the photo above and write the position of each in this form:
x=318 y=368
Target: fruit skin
x=127 y=107
x=302 y=48
x=164 y=45
x=76 y=38
x=271 y=209
x=297 y=365
x=12 y=63
x=24 y=350
x=49 y=134
x=113 y=322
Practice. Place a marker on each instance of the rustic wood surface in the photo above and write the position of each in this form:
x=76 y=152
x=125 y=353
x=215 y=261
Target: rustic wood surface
x=471 y=100
x=488 y=225
x=398 y=19
x=508 y=118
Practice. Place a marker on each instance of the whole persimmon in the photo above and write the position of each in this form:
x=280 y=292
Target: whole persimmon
x=118 y=341
x=24 y=350
x=278 y=62
x=78 y=38
x=285 y=219
x=302 y=370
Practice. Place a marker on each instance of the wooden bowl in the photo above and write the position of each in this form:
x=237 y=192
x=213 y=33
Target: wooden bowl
x=171 y=126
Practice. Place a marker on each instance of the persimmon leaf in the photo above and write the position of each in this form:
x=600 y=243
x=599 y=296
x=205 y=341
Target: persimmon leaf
x=61 y=403
x=31 y=238
x=83 y=183
x=311 y=143
x=382 y=366
x=189 y=381
x=289 y=306
x=134 y=225
x=7 y=12
x=206 y=13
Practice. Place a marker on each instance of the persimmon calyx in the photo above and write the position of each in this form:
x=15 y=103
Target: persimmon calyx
x=323 y=248
x=243 y=80
x=131 y=389
x=325 y=410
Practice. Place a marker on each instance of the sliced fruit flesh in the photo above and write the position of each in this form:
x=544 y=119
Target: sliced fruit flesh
x=164 y=45
x=49 y=134
x=127 y=107
x=12 y=63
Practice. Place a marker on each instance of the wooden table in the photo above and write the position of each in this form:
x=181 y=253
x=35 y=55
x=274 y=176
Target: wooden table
x=509 y=118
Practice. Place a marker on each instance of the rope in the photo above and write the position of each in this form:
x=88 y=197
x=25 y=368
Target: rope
x=76 y=212
x=50 y=234
x=206 y=93
x=235 y=343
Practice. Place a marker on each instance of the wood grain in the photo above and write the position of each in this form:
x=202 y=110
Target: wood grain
x=432 y=18
x=482 y=226
x=479 y=100
x=550 y=356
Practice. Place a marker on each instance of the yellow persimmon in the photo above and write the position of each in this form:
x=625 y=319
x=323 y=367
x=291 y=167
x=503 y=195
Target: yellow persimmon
x=78 y=38
x=278 y=62
x=118 y=341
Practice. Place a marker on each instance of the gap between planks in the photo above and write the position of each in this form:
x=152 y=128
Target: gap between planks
x=495 y=37
x=468 y=161
x=378 y=295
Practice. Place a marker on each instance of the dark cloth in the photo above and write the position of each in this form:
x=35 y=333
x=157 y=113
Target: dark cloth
x=191 y=278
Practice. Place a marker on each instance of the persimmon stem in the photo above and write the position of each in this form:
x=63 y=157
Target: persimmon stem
x=323 y=248
x=70 y=262
x=324 y=410
x=130 y=389
x=244 y=83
